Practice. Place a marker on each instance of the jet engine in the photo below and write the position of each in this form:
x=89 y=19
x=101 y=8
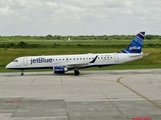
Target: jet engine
x=59 y=69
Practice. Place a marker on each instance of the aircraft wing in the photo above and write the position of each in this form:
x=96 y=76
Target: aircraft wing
x=78 y=64
x=74 y=65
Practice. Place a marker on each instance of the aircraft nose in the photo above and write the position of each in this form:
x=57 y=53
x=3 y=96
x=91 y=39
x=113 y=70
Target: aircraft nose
x=8 y=66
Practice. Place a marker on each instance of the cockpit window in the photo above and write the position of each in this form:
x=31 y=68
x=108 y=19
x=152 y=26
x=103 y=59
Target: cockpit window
x=15 y=61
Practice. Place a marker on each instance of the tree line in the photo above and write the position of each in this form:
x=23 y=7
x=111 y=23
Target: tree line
x=81 y=37
x=54 y=45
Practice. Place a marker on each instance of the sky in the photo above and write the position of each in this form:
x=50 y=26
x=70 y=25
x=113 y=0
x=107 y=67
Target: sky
x=79 y=17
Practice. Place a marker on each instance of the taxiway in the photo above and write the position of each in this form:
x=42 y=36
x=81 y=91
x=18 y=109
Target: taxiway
x=93 y=95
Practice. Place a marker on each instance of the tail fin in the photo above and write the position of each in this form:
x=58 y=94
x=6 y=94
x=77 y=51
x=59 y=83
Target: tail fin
x=136 y=45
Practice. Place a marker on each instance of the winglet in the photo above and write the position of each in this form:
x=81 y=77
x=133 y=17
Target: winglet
x=136 y=45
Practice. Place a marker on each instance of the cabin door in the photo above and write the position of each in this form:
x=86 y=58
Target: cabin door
x=116 y=57
x=25 y=61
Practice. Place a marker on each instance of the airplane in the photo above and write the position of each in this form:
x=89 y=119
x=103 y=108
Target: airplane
x=63 y=63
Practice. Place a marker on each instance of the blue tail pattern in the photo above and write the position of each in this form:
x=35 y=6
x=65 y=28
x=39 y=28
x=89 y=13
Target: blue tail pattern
x=136 y=45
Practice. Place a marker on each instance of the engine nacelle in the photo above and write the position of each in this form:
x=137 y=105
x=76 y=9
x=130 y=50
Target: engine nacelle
x=59 y=69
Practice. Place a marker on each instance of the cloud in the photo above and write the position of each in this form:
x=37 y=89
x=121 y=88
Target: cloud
x=57 y=16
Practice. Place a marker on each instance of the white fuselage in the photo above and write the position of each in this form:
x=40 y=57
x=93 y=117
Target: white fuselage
x=72 y=61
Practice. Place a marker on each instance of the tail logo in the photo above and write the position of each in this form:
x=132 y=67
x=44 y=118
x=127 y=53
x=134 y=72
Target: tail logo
x=134 y=48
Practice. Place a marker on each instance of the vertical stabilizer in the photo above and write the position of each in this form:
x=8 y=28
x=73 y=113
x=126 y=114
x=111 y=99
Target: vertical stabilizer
x=136 y=45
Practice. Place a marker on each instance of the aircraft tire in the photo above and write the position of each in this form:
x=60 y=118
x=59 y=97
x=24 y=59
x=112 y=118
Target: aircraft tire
x=22 y=74
x=76 y=72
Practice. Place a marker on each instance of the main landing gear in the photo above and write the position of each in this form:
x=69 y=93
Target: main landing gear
x=76 y=72
x=22 y=74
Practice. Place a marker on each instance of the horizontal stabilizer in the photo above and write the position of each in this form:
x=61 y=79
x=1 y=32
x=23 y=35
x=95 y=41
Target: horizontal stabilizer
x=136 y=55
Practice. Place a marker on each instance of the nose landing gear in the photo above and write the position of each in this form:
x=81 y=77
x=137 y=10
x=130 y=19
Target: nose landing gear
x=22 y=74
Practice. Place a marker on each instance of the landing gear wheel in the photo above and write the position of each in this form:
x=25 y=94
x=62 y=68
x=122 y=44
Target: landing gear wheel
x=22 y=74
x=76 y=72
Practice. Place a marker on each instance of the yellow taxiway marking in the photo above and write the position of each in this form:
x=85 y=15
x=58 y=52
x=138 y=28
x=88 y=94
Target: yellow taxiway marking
x=142 y=96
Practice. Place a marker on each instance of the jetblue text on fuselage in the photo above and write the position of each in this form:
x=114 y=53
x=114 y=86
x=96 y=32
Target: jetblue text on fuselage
x=41 y=60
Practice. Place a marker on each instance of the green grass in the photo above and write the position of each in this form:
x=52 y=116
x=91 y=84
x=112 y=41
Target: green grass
x=153 y=60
